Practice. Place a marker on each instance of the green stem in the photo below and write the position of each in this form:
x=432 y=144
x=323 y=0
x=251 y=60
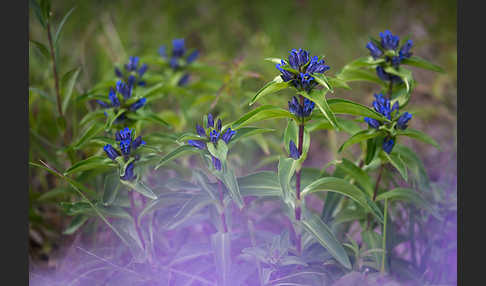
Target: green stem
x=221 y=200
x=135 y=217
x=298 y=210
x=383 y=245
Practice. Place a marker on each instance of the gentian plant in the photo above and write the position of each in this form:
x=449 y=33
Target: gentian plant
x=178 y=59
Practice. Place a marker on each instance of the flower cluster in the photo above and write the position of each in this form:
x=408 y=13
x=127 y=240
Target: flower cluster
x=212 y=135
x=299 y=69
x=133 y=74
x=387 y=48
x=127 y=147
x=294 y=152
x=300 y=110
x=121 y=97
x=177 y=60
x=382 y=105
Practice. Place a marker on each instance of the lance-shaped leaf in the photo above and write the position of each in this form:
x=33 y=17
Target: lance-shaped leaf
x=421 y=63
x=354 y=74
x=77 y=222
x=404 y=74
x=188 y=209
x=323 y=80
x=141 y=188
x=111 y=187
x=397 y=162
x=405 y=194
x=227 y=176
x=286 y=169
x=263 y=112
x=244 y=132
x=274 y=60
x=358 y=137
x=315 y=226
x=360 y=176
x=219 y=151
x=416 y=134
x=93 y=162
x=319 y=98
x=88 y=134
x=68 y=81
x=260 y=184
x=343 y=106
x=148 y=116
x=179 y=151
x=343 y=187
x=271 y=87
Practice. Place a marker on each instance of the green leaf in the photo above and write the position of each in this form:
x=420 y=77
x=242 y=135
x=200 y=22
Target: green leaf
x=42 y=49
x=421 y=63
x=269 y=88
x=148 y=116
x=111 y=187
x=319 y=98
x=416 y=134
x=61 y=25
x=188 y=209
x=405 y=194
x=370 y=150
x=274 y=60
x=343 y=106
x=181 y=150
x=140 y=187
x=404 y=74
x=323 y=80
x=360 y=136
x=337 y=82
x=357 y=174
x=90 y=163
x=244 y=132
x=373 y=241
x=286 y=169
x=77 y=222
x=261 y=113
x=261 y=184
x=398 y=163
x=349 y=215
x=315 y=226
x=38 y=12
x=414 y=164
x=68 y=81
x=88 y=134
x=45 y=7
x=227 y=176
x=221 y=245
x=220 y=151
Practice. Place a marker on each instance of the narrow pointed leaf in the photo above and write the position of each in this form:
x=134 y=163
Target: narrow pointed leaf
x=271 y=87
x=416 y=134
x=421 y=63
x=358 y=137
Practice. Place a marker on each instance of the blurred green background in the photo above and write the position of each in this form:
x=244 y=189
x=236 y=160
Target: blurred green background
x=239 y=35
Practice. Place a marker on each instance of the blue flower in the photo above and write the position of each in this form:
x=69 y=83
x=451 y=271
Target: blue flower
x=215 y=134
x=403 y=120
x=374 y=50
x=113 y=98
x=228 y=135
x=138 y=104
x=124 y=89
x=197 y=143
x=383 y=75
x=176 y=60
x=301 y=111
x=133 y=73
x=389 y=41
x=372 y=122
x=216 y=163
x=382 y=105
x=129 y=174
x=294 y=152
x=405 y=50
x=111 y=152
x=302 y=67
x=200 y=130
x=388 y=144
x=125 y=139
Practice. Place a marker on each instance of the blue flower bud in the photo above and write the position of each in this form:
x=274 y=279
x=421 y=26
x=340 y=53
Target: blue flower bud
x=403 y=120
x=228 y=135
x=388 y=144
x=200 y=130
x=174 y=63
x=294 y=152
x=219 y=125
x=132 y=64
x=102 y=104
x=389 y=41
x=125 y=146
x=124 y=134
x=178 y=49
x=118 y=72
x=129 y=175
x=138 y=104
x=197 y=143
x=137 y=142
x=210 y=120
x=214 y=136
x=192 y=57
x=184 y=80
x=372 y=122
x=395 y=107
x=216 y=163
x=142 y=70
x=317 y=66
x=286 y=75
x=405 y=50
x=162 y=51
x=374 y=50
x=113 y=98
x=110 y=151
